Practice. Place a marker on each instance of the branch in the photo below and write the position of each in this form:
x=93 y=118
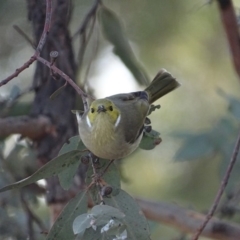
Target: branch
x=33 y=128
x=221 y=189
x=39 y=47
x=230 y=25
x=187 y=221
x=229 y=21
x=68 y=79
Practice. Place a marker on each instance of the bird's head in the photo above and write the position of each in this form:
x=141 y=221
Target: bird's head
x=103 y=110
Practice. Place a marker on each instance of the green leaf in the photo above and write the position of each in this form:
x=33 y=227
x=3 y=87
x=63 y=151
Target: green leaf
x=104 y=213
x=100 y=215
x=91 y=234
x=62 y=228
x=135 y=222
x=150 y=140
x=234 y=103
x=54 y=167
x=71 y=145
x=153 y=108
x=58 y=91
x=113 y=31
x=66 y=176
x=81 y=223
x=15 y=91
x=195 y=147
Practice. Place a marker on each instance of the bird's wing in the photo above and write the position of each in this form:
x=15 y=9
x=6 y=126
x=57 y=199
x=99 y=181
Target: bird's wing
x=134 y=109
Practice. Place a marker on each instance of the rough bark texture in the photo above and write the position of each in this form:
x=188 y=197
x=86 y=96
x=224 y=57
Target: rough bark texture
x=59 y=109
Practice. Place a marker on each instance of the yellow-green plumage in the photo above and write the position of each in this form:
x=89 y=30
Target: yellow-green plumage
x=112 y=127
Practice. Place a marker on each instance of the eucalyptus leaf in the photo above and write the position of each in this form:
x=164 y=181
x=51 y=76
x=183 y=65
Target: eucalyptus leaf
x=195 y=147
x=62 y=227
x=54 y=167
x=66 y=176
x=91 y=234
x=135 y=222
x=113 y=31
x=81 y=223
x=150 y=140
x=71 y=145
x=58 y=91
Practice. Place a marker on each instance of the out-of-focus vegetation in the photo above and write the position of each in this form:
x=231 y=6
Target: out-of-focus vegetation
x=195 y=121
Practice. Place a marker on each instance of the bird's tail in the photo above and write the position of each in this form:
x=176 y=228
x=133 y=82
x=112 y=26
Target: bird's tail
x=162 y=84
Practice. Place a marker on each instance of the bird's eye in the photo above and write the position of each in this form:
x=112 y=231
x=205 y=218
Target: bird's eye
x=111 y=108
x=92 y=110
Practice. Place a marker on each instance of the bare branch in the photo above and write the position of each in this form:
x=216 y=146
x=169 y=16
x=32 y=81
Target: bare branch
x=39 y=47
x=68 y=79
x=221 y=189
x=18 y=71
x=187 y=221
x=231 y=28
x=33 y=128
x=46 y=26
x=230 y=25
x=24 y=35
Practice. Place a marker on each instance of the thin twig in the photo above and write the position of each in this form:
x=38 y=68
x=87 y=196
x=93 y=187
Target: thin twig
x=84 y=38
x=47 y=25
x=68 y=79
x=88 y=17
x=24 y=35
x=39 y=47
x=221 y=189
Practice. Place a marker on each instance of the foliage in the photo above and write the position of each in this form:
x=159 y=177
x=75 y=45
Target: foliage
x=118 y=215
x=218 y=141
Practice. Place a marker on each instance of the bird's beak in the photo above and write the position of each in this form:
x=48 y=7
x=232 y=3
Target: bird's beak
x=101 y=108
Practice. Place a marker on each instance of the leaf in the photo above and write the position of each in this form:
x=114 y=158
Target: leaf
x=153 y=108
x=104 y=213
x=58 y=91
x=15 y=91
x=62 y=228
x=51 y=168
x=81 y=223
x=135 y=222
x=100 y=215
x=150 y=140
x=91 y=234
x=66 y=176
x=71 y=145
x=113 y=31
x=234 y=103
x=195 y=147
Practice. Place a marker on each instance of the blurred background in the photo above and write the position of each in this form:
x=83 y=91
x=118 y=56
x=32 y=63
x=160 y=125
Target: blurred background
x=195 y=121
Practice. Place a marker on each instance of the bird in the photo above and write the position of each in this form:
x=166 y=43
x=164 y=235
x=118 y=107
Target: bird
x=112 y=127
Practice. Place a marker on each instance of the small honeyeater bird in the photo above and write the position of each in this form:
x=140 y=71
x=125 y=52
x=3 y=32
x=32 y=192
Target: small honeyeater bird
x=112 y=128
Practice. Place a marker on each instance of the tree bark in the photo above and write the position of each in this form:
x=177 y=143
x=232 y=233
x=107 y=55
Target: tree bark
x=45 y=84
